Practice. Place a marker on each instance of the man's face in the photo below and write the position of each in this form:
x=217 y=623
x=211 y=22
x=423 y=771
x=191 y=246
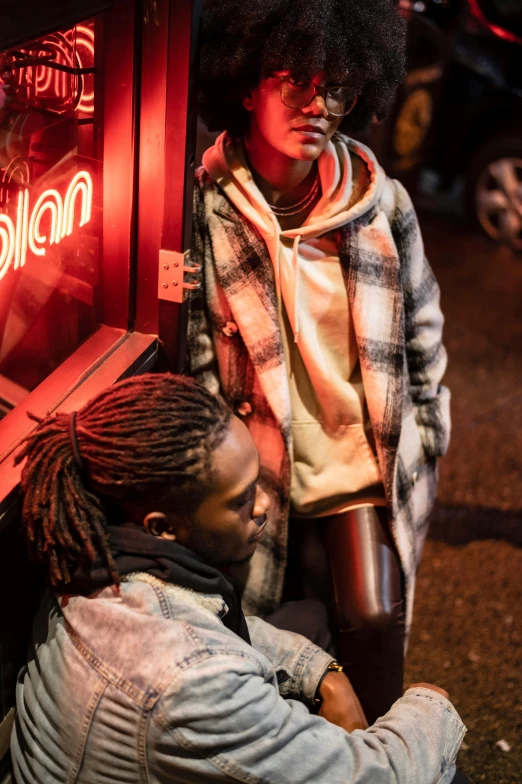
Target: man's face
x=300 y=134
x=223 y=529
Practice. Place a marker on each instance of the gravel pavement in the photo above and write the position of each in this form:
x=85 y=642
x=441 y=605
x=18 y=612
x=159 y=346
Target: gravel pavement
x=467 y=630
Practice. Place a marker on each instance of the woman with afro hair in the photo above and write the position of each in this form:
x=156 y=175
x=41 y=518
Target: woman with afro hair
x=318 y=319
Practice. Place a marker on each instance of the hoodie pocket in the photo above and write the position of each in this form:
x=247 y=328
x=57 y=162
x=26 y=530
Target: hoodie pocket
x=326 y=465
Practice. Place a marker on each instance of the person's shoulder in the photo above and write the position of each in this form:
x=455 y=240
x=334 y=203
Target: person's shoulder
x=390 y=197
x=392 y=193
x=202 y=179
x=204 y=194
x=396 y=198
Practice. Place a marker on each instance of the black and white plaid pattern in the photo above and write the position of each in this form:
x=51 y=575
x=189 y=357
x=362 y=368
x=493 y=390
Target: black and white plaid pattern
x=394 y=299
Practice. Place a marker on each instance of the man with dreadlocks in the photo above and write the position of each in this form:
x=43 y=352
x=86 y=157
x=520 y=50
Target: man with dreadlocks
x=143 y=666
x=318 y=319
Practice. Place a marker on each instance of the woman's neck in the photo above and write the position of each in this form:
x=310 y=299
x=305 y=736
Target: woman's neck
x=281 y=180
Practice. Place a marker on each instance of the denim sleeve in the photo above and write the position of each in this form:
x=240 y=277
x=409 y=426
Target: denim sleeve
x=299 y=664
x=224 y=720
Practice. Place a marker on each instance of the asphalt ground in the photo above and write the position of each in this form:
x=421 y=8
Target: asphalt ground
x=467 y=629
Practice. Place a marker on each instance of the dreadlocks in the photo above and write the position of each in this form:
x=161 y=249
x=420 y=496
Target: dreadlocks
x=152 y=434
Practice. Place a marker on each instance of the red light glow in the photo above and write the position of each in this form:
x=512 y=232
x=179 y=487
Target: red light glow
x=500 y=32
x=58 y=75
x=16 y=238
x=85 y=56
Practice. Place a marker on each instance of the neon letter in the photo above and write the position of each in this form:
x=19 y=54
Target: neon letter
x=52 y=201
x=17 y=237
x=22 y=209
x=81 y=182
x=7 y=236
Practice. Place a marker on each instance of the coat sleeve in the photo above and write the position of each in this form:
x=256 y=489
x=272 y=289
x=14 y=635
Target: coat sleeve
x=223 y=720
x=299 y=663
x=202 y=360
x=425 y=353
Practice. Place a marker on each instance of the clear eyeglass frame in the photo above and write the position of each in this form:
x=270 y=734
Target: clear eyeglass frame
x=308 y=93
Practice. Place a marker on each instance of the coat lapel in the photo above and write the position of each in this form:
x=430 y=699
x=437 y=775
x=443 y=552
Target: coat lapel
x=245 y=272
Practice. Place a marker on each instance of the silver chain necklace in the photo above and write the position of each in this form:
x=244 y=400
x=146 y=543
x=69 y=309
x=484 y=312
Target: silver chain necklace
x=293 y=209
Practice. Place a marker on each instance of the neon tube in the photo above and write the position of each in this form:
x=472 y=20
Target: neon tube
x=7 y=237
x=82 y=182
x=52 y=201
x=23 y=234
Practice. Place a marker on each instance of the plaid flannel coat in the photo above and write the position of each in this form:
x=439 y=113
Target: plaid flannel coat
x=235 y=349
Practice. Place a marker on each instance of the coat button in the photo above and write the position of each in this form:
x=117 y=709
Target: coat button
x=414 y=477
x=244 y=408
x=230 y=329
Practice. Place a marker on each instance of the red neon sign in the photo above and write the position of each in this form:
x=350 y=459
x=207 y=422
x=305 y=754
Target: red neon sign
x=23 y=234
x=56 y=72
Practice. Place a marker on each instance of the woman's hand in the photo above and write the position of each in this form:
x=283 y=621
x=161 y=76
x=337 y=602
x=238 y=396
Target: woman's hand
x=340 y=704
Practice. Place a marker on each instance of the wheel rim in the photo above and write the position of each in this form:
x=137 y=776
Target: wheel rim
x=498 y=201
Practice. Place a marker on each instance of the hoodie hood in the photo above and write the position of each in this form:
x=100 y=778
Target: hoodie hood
x=341 y=198
x=351 y=183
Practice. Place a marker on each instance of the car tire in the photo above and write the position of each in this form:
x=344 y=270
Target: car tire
x=494 y=190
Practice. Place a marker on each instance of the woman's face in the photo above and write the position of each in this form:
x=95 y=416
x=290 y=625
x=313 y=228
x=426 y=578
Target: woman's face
x=228 y=524
x=300 y=134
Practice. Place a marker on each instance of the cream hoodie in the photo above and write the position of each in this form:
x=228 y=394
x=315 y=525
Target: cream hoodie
x=333 y=467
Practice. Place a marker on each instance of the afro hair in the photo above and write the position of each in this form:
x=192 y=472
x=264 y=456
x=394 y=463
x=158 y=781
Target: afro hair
x=244 y=41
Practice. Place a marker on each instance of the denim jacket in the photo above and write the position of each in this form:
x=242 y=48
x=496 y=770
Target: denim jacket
x=147 y=685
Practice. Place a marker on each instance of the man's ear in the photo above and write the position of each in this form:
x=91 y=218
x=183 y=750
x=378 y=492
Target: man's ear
x=157 y=524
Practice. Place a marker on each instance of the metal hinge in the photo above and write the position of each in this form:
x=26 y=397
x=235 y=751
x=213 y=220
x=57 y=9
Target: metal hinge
x=172 y=284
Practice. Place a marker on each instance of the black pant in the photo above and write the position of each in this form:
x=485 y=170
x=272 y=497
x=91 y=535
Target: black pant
x=347 y=564
x=460 y=778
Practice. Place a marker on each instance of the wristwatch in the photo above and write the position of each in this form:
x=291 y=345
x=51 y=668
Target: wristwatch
x=334 y=666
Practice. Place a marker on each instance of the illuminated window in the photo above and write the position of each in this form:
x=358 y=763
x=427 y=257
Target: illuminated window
x=50 y=206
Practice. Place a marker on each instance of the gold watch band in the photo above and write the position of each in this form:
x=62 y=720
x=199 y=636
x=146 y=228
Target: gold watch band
x=334 y=666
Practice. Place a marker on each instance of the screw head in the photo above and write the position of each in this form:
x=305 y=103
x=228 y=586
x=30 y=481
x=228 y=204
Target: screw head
x=175 y=263
x=165 y=266
x=174 y=282
x=165 y=285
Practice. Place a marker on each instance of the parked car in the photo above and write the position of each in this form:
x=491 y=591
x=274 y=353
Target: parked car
x=459 y=111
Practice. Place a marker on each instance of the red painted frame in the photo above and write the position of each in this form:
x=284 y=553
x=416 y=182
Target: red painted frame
x=120 y=51
x=167 y=146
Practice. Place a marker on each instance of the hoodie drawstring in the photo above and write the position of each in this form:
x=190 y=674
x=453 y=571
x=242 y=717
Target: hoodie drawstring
x=275 y=255
x=295 y=269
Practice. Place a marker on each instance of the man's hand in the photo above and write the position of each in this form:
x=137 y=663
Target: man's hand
x=340 y=704
x=429 y=686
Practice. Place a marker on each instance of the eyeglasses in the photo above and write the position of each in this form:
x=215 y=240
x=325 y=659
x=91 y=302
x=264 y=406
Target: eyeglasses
x=338 y=100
